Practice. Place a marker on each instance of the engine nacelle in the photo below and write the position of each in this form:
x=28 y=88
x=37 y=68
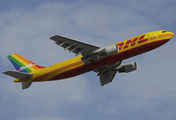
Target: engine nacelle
x=109 y=50
x=101 y=53
x=128 y=67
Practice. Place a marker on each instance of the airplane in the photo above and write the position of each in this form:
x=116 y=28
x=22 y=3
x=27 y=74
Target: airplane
x=105 y=61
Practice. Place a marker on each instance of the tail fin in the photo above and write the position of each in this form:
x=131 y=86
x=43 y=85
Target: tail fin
x=22 y=64
x=24 y=67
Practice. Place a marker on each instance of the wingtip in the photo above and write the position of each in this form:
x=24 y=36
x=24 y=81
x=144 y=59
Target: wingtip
x=52 y=36
x=5 y=72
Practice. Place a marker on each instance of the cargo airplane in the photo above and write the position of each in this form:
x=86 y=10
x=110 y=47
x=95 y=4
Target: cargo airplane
x=105 y=61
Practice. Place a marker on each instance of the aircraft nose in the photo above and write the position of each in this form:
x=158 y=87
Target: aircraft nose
x=172 y=34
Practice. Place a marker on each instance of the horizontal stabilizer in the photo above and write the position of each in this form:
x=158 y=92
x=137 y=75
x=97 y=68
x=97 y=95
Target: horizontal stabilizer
x=19 y=75
x=26 y=85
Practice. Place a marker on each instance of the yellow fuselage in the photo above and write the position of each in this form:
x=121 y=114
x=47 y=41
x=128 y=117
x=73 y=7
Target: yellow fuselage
x=127 y=48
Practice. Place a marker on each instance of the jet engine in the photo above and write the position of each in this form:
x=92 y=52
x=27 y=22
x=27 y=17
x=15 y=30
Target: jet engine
x=128 y=67
x=109 y=50
x=100 y=53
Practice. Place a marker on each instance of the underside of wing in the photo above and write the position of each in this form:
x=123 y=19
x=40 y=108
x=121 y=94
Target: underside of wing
x=107 y=74
x=90 y=53
x=73 y=45
x=26 y=85
x=107 y=77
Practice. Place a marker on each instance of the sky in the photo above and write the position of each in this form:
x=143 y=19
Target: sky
x=145 y=94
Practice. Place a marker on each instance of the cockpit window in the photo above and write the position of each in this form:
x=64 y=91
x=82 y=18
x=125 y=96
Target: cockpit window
x=164 y=31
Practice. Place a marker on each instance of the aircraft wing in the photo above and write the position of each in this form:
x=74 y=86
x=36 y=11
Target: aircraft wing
x=26 y=85
x=107 y=74
x=107 y=77
x=74 y=46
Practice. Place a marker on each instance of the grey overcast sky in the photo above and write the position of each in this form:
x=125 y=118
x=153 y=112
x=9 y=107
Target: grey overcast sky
x=148 y=93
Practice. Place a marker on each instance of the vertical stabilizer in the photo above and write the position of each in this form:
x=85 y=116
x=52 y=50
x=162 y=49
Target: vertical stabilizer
x=22 y=64
x=24 y=68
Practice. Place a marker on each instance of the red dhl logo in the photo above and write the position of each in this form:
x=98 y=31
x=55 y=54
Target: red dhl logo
x=132 y=42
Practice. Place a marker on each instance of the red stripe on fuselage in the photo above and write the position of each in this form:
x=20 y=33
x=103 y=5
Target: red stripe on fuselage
x=113 y=59
x=40 y=78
